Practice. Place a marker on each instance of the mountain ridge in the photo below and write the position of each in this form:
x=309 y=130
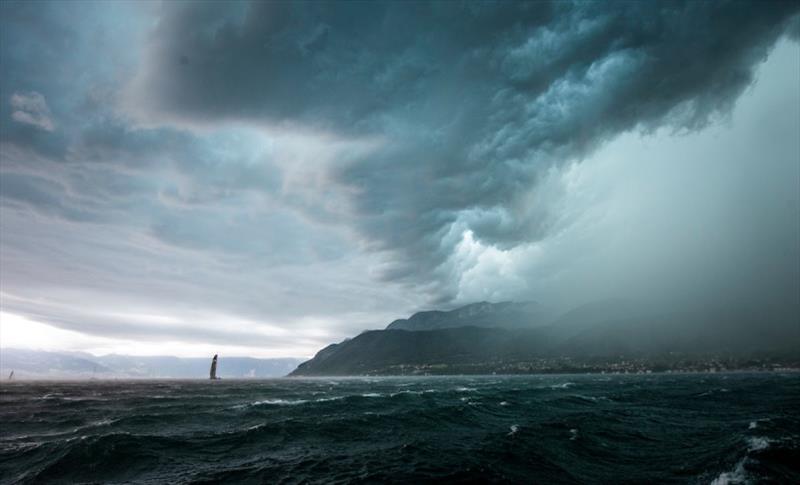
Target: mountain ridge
x=589 y=337
x=506 y=314
x=39 y=364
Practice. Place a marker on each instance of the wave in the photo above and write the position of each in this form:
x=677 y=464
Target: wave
x=96 y=424
x=102 y=454
x=754 y=424
x=734 y=477
x=739 y=474
x=711 y=392
x=590 y=398
x=60 y=434
x=58 y=396
x=295 y=402
x=308 y=431
x=272 y=402
x=757 y=443
x=415 y=393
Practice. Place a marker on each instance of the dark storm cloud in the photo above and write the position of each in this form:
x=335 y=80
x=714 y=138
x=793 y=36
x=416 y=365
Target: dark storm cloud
x=267 y=162
x=473 y=101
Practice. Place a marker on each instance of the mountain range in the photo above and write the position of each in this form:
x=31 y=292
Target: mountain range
x=522 y=337
x=37 y=364
x=483 y=314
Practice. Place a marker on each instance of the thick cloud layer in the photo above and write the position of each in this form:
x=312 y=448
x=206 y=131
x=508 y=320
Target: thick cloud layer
x=273 y=174
x=472 y=102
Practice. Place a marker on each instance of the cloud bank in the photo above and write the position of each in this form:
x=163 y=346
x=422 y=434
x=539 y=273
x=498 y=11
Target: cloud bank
x=317 y=169
x=472 y=102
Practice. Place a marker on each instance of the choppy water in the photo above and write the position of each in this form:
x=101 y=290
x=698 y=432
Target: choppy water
x=731 y=428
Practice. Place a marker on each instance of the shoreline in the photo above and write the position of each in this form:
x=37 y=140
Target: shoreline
x=397 y=376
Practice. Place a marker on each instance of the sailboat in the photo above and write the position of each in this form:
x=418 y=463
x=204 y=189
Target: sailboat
x=11 y=376
x=213 y=372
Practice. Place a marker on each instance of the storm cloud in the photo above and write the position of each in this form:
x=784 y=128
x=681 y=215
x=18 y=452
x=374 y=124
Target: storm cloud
x=472 y=102
x=326 y=167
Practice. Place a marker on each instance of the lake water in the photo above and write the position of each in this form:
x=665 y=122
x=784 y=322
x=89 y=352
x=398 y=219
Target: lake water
x=713 y=428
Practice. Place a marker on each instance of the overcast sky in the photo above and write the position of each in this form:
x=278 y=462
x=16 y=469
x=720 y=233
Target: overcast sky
x=264 y=179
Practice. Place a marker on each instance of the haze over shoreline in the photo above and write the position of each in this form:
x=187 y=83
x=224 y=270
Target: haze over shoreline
x=44 y=365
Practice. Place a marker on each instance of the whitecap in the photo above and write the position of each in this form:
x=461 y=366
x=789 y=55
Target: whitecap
x=465 y=389
x=102 y=422
x=564 y=385
x=737 y=476
x=372 y=394
x=514 y=429
x=753 y=425
x=573 y=434
x=272 y=402
x=418 y=393
x=27 y=446
x=404 y=392
x=757 y=443
x=82 y=398
x=504 y=403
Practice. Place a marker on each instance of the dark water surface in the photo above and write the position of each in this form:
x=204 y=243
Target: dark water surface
x=720 y=428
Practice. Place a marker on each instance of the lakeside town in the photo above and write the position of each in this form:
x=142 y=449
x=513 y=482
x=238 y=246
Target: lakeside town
x=673 y=363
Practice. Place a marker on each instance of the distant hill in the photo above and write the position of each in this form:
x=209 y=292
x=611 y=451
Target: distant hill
x=35 y=364
x=588 y=337
x=32 y=362
x=382 y=351
x=483 y=314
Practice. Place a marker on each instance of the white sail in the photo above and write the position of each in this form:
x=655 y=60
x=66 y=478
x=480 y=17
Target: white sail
x=213 y=372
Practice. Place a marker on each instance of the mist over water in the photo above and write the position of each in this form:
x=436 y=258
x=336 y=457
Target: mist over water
x=715 y=428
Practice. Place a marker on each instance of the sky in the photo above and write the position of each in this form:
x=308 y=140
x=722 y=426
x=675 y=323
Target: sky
x=264 y=179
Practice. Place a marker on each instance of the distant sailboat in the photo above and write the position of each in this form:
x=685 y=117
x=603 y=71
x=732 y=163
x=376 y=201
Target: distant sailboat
x=11 y=376
x=213 y=373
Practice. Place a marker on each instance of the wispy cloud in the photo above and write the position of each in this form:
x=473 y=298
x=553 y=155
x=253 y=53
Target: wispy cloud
x=31 y=108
